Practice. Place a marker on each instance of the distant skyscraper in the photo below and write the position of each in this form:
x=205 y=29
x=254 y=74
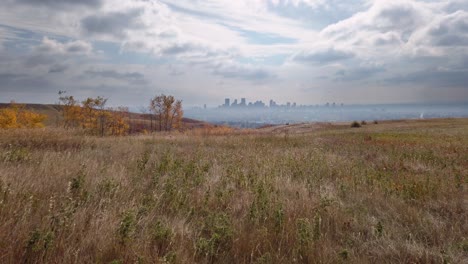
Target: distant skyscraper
x=243 y=102
x=227 y=102
x=234 y=103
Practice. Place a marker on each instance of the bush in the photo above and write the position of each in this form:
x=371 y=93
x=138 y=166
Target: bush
x=355 y=124
x=363 y=123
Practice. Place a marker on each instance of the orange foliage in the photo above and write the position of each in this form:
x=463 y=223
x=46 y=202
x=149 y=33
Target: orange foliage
x=92 y=116
x=16 y=116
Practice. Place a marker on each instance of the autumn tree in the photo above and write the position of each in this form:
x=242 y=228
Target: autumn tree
x=92 y=116
x=117 y=121
x=16 y=116
x=167 y=111
x=71 y=111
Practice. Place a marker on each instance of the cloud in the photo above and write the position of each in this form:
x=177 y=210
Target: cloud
x=113 y=23
x=76 y=47
x=10 y=82
x=238 y=71
x=361 y=72
x=322 y=56
x=451 y=30
x=130 y=77
x=61 y=3
x=437 y=78
x=402 y=17
x=58 y=68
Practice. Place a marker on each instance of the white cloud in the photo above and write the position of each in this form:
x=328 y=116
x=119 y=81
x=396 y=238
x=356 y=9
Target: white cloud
x=77 y=47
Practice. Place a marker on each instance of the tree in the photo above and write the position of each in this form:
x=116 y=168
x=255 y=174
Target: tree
x=168 y=111
x=71 y=111
x=16 y=116
x=93 y=116
x=116 y=122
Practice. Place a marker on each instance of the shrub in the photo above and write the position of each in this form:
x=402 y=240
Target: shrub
x=355 y=124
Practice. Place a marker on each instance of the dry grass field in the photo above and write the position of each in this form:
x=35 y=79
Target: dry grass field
x=393 y=192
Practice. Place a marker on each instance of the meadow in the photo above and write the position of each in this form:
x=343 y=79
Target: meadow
x=392 y=192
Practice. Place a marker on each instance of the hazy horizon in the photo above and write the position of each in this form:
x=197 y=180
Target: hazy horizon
x=304 y=51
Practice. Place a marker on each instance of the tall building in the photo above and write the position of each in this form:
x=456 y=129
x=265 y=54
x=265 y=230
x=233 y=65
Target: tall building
x=234 y=103
x=243 y=102
x=272 y=103
x=227 y=102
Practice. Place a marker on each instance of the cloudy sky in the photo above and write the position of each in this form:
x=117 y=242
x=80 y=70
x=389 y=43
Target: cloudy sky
x=308 y=51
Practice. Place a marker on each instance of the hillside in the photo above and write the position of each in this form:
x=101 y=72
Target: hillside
x=393 y=192
x=139 y=121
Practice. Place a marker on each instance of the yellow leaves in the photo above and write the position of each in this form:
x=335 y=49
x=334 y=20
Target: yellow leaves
x=168 y=111
x=92 y=116
x=30 y=119
x=16 y=116
x=8 y=118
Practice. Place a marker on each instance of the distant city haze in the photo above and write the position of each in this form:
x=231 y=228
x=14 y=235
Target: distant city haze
x=245 y=114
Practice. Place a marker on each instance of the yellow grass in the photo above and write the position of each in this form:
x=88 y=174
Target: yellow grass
x=393 y=192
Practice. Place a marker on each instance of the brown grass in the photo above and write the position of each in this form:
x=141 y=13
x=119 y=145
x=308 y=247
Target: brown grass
x=393 y=192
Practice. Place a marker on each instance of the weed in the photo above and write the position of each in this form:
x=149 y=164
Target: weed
x=107 y=188
x=379 y=229
x=216 y=236
x=126 y=227
x=142 y=161
x=76 y=187
x=317 y=232
x=344 y=254
x=16 y=154
x=170 y=257
x=39 y=241
x=161 y=236
x=264 y=259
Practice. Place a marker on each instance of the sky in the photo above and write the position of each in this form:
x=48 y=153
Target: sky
x=202 y=51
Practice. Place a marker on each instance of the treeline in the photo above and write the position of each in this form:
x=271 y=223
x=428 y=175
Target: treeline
x=92 y=116
x=17 y=116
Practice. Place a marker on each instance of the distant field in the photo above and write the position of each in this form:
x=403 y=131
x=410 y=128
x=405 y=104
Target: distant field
x=392 y=192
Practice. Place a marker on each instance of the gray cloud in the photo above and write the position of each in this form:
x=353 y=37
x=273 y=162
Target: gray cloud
x=358 y=73
x=61 y=3
x=51 y=46
x=113 y=23
x=58 y=68
x=452 y=30
x=130 y=77
x=433 y=78
x=322 y=56
x=180 y=48
x=242 y=72
x=23 y=83
x=401 y=18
